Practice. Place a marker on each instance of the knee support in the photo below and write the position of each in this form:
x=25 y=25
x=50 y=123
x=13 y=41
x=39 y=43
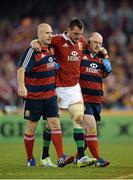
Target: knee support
x=76 y=112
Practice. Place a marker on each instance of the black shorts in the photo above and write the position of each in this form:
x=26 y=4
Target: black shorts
x=34 y=109
x=93 y=109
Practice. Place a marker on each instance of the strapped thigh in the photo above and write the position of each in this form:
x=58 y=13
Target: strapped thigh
x=76 y=112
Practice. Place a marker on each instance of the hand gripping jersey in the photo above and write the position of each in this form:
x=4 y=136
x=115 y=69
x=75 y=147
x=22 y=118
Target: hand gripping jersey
x=39 y=73
x=91 y=77
x=68 y=55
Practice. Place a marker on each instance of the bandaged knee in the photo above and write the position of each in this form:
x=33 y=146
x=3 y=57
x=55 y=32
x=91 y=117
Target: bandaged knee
x=76 y=112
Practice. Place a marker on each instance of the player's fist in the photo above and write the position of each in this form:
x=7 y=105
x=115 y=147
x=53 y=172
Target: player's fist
x=104 y=52
x=22 y=91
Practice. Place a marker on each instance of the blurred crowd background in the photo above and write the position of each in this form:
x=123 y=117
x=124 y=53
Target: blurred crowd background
x=113 y=19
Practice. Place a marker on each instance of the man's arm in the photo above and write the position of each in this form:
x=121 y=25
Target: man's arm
x=25 y=64
x=22 y=91
x=36 y=45
x=106 y=62
x=104 y=52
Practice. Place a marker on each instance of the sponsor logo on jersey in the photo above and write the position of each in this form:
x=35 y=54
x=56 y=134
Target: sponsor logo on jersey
x=93 y=68
x=50 y=59
x=93 y=65
x=51 y=62
x=74 y=56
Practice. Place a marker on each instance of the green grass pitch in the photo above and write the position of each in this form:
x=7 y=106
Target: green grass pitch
x=119 y=150
x=12 y=163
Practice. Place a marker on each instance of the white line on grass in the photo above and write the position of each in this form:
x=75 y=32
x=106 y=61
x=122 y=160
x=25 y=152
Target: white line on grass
x=125 y=177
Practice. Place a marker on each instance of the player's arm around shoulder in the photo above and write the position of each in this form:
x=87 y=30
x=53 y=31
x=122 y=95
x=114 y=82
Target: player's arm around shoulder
x=35 y=45
x=56 y=40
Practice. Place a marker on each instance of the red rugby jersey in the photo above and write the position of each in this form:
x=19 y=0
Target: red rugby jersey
x=68 y=55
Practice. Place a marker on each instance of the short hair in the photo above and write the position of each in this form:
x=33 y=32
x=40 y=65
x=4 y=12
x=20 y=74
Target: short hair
x=90 y=35
x=76 y=22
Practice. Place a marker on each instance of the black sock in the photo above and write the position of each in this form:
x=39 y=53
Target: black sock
x=46 y=142
x=79 y=139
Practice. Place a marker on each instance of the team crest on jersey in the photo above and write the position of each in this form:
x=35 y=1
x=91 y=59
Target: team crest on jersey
x=74 y=56
x=80 y=46
x=27 y=113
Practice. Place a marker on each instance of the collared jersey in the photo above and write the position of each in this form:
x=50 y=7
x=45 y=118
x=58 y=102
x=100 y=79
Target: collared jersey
x=39 y=73
x=91 y=77
x=68 y=55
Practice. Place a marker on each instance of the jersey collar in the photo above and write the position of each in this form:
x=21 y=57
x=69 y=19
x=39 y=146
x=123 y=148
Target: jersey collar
x=44 y=48
x=65 y=36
